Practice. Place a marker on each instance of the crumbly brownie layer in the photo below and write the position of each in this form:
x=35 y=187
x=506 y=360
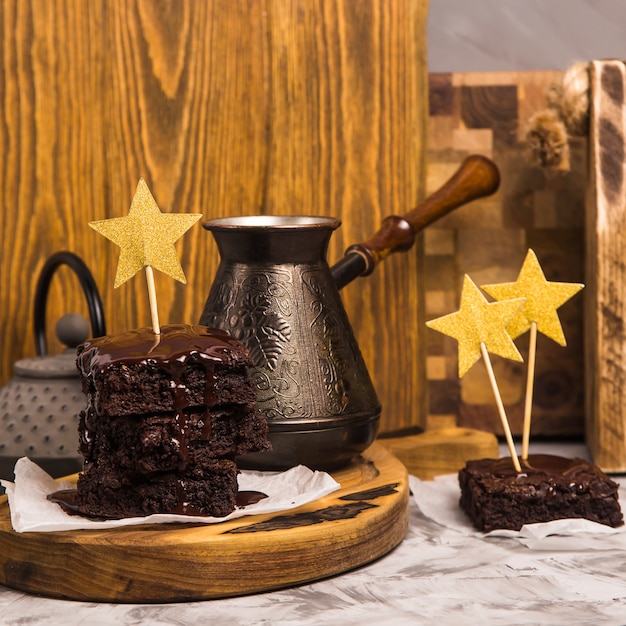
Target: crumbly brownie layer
x=494 y=496
x=109 y=492
x=145 y=444
x=189 y=366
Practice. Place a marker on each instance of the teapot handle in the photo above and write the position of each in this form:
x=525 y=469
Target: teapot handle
x=90 y=289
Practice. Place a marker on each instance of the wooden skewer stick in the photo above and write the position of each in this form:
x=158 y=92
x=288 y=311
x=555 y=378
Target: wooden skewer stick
x=530 y=383
x=503 y=417
x=154 y=313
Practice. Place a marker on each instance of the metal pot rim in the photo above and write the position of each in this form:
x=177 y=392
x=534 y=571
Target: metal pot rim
x=271 y=222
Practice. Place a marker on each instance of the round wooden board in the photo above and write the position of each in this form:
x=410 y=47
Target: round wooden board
x=363 y=520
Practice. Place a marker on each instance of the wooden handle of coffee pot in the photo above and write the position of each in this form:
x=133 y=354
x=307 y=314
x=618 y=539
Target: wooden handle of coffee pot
x=476 y=177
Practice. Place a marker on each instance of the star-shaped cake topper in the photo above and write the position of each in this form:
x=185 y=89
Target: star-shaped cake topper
x=480 y=328
x=477 y=322
x=146 y=236
x=538 y=314
x=543 y=298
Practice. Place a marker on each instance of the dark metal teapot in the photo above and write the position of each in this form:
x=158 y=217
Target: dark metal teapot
x=39 y=406
x=275 y=292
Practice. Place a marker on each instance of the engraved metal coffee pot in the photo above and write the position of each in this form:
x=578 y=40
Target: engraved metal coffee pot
x=275 y=292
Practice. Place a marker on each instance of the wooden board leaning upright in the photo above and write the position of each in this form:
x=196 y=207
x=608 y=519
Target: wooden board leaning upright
x=606 y=269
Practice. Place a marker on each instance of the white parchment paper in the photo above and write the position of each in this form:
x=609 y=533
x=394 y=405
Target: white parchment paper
x=438 y=499
x=31 y=511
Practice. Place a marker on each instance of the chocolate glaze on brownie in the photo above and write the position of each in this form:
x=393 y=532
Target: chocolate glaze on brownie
x=495 y=496
x=166 y=417
x=175 y=344
x=185 y=366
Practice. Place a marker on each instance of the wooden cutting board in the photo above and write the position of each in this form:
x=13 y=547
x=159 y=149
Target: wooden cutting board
x=363 y=520
x=441 y=451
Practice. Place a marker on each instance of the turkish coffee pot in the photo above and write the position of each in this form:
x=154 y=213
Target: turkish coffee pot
x=40 y=405
x=275 y=292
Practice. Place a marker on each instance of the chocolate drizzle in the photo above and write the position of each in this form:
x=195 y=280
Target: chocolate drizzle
x=183 y=507
x=67 y=500
x=171 y=349
x=536 y=464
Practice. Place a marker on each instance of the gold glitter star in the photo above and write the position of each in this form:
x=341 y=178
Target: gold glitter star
x=543 y=298
x=477 y=322
x=146 y=236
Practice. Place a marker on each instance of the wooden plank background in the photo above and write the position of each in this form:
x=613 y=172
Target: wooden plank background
x=224 y=107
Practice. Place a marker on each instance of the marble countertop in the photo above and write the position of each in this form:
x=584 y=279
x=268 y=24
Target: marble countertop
x=434 y=576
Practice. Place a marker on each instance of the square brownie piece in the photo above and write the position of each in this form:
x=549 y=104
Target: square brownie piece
x=494 y=496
